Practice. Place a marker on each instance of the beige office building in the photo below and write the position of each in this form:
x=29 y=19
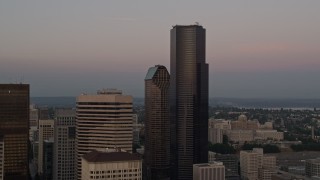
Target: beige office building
x=103 y=120
x=269 y=162
x=269 y=134
x=255 y=166
x=268 y=167
x=111 y=166
x=244 y=123
x=46 y=130
x=219 y=124
x=209 y=171
x=215 y=135
x=265 y=174
x=250 y=163
x=240 y=135
x=266 y=125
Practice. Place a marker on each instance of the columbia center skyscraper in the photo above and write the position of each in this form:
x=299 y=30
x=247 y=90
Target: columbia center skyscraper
x=157 y=124
x=14 y=127
x=188 y=100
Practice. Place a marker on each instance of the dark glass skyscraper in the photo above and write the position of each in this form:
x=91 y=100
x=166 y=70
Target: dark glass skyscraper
x=14 y=126
x=188 y=100
x=157 y=123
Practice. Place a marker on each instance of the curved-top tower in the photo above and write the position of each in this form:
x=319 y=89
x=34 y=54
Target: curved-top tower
x=157 y=123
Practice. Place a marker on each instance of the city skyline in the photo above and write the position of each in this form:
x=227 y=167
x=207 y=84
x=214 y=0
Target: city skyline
x=266 y=49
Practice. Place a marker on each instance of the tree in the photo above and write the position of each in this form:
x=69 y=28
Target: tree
x=268 y=148
x=225 y=139
x=221 y=148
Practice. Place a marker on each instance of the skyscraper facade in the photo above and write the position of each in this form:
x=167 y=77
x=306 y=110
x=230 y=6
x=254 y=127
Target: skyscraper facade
x=1 y=157
x=188 y=99
x=157 y=123
x=103 y=120
x=46 y=129
x=48 y=159
x=64 y=145
x=14 y=127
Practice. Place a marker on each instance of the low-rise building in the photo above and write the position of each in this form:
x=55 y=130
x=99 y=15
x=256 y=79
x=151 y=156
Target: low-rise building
x=215 y=135
x=265 y=174
x=250 y=163
x=266 y=125
x=211 y=156
x=111 y=165
x=219 y=124
x=209 y=171
x=240 y=135
x=255 y=166
x=241 y=123
x=269 y=162
x=269 y=134
x=313 y=167
x=299 y=170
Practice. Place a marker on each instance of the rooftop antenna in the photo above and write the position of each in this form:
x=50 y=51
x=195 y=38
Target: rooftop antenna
x=21 y=79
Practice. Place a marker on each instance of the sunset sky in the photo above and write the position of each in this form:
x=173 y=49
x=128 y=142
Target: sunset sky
x=255 y=49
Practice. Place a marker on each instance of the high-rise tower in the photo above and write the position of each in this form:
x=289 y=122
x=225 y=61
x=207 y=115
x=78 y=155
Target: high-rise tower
x=103 y=120
x=188 y=99
x=46 y=130
x=64 y=145
x=157 y=123
x=14 y=127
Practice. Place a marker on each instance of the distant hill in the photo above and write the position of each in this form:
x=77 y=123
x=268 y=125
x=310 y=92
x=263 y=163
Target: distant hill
x=66 y=101
x=225 y=102
x=266 y=103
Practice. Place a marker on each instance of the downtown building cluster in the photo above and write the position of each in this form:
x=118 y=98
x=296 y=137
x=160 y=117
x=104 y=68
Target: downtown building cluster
x=177 y=108
x=94 y=140
x=91 y=141
x=241 y=130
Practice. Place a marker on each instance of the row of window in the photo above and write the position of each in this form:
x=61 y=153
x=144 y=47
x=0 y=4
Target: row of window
x=114 y=176
x=114 y=171
x=102 y=103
